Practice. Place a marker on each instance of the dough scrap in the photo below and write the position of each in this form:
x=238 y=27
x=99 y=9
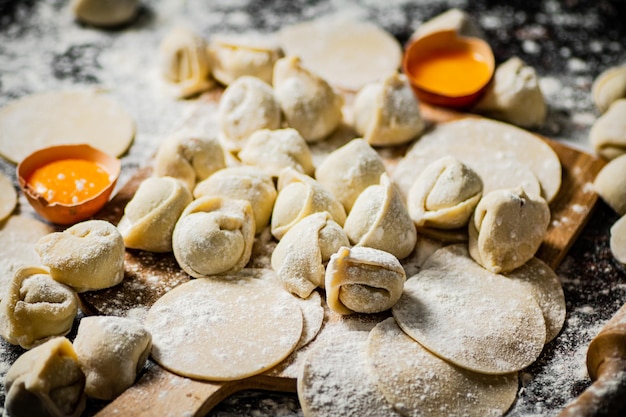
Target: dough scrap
x=105 y=13
x=504 y=156
x=8 y=198
x=608 y=87
x=618 y=240
x=473 y=318
x=223 y=329
x=610 y=184
x=70 y=117
x=419 y=383
x=608 y=133
x=347 y=53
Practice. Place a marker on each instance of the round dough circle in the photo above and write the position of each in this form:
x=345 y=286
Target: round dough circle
x=341 y=50
x=70 y=117
x=223 y=329
x=420 y=383
x=8 y=197
x=469 y=316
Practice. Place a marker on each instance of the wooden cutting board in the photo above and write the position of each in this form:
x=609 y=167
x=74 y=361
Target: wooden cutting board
x=148 y=276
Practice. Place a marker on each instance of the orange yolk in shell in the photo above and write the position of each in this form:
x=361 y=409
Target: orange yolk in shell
x=69 y=181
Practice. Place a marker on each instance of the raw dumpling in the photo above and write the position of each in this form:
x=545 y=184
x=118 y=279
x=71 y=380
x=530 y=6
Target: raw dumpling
x=363 y=280
x=150 y=216
x=452 y=19
x=618 y=240
x=36 y=308
x=387 y=113
x=236 y=56
x=608 y=133
x=349 y=170
x=609 y=87
x=87 y=256
x=46 y=382
x=274 y=150
x=244 y=183
x=247 y=105
x=105 y=13
x=298 y=197
x=309 y=103
x=514 y=95
x=185 y=63
x=189 y=158
x=444 y=195
x=507 y=229
x=213 y=236
x=111 y=351
x=379 y=219
x=610 y=184
x=299 y=257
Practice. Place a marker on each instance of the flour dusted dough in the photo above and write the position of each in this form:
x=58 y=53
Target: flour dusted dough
x=521 y=158
x=618 y=240
x=8 y=197
x=347 y=53
x=610 y=184
x=452 y=19
x=36 y=308
x=223 y=329
x=87 y=256
x=105 y=13
x=608 y=87
x=111 y=351
x=150 y=216
x=469 y=316
x=387 y=112
x=608 y=133
x=419 y=383
x=349 y=170
x=363 y=280
x=70 y=117
x=46 y=382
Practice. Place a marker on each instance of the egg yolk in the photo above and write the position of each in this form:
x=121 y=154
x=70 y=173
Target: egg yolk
x=453 y=73
x=69 y=181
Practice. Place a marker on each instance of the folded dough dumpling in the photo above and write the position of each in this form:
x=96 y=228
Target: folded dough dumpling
x=610 y=184
x=299 y=257
x=36 y=308
x=298 y=197
x=214 y=236
x=363 y=280
x=46 y=382
x=444 y=195
x=507 y=229
x=309 y=103
x=387 y=112
x=243 y=183
x=189 y=158
x=150 y=216
x=247 y=105
x=608 y=133
x=111 y=351
x=379 y=219
x=608 y=87
x=87 y=256
x=349 y=170
x=274 y=150
x=185 y=63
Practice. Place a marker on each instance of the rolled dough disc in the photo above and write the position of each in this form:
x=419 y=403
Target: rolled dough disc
x=421 y=384
x=223 y=330
x=334 y=380
x=346 y=53
x=473 y=318
x=504 y=156
x=8 y=197
x=69 y=117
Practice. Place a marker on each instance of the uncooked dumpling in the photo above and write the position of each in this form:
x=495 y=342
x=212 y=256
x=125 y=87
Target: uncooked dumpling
x=387 y=112
x=8 y=197
x=301 y=254
x=608 y=133
x=189 y=158
x=150 y=216
x=608 y=87
x=46 y=382
x=452 y=19
x=274 y=150
x=379 y=219
x=349 y=170
x=111 y=351
x=36 y=308
x=309 y=103
x=243 y=183
x=618 y=240
x=214 y=235
x=185 y=63
x=514 y=95
x=105 y=13
x=610 y=184
x=87 y=256
x=507 y=229
x=363 y=280
x=247 y=105
x=298 y=197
